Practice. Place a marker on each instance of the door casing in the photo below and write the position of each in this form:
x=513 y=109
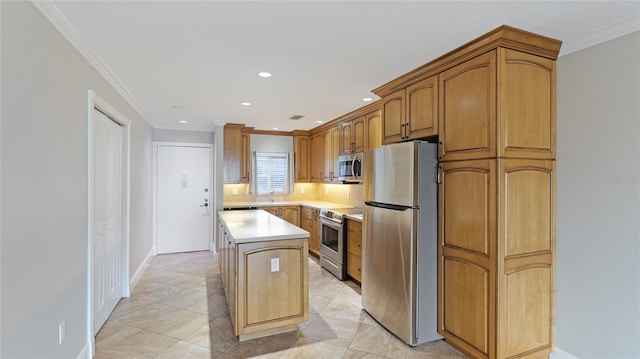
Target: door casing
x=96 y=102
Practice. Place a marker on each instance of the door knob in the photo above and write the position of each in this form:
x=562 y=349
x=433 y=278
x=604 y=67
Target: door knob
x=204 y=205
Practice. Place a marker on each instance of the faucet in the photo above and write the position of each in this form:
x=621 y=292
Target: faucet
x=273 y=196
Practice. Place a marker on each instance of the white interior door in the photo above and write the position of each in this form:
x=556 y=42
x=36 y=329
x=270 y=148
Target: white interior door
x=183 y=198
x=108 y=246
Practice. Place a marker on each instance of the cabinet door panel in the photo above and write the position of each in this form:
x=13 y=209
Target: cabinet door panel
x=468 y=109
x=422 y=108
x=291 y=215
x=467 y=205
x=346 y=143
x=393 y=117
x=232 y=153
x=301 y=161
x=527 y=105
x=466 y=302
x=373 y=130
x=358 y=135
x=273 y=295
x=354 y=266
x=527 y=206
x=528 y=306
x=245 y=158
x=335 y=141
x=328 y=157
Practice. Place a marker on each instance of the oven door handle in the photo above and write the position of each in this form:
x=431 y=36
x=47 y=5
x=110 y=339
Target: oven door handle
x=330 y=223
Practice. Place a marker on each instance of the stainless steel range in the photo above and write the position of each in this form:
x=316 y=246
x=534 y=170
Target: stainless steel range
x=332 y=240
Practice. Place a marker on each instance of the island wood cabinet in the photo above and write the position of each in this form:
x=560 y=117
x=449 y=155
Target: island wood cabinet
x=302 y=156
x=411 y=113
x=290 y=214
x=263 y=301
x=354 y=249
x=310 y=222
x=498 y=104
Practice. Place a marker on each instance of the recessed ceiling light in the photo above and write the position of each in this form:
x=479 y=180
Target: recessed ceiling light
x=367 y=99
x=183 y=121
x=245 y=103
x=319 y=121
x=264 y=74
x=276 y=128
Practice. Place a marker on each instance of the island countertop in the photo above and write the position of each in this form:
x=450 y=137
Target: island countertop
x=258 y=225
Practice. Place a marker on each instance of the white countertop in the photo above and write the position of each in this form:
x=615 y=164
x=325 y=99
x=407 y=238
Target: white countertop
x=355 y=217
x=312 y=204
x=258 y=226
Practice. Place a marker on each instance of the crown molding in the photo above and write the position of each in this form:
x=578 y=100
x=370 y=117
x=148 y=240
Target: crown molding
x=601 y=35
x=78 y=41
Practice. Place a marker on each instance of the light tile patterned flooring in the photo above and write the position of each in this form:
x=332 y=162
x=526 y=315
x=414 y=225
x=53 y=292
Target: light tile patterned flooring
x=178 y=310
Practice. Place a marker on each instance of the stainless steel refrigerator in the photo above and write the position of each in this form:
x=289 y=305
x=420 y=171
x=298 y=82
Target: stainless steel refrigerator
x=400 y=248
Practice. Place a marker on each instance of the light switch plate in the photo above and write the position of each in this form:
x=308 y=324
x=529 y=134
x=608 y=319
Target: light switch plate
x=234 y=192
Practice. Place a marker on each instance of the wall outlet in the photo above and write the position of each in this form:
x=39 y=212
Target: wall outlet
x=275 y=264
x=62 y=331
x=326 y=190
x=348 y=195
x=234 y=192
x=302 y=190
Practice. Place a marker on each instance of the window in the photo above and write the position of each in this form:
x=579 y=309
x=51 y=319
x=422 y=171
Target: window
x=271 y=173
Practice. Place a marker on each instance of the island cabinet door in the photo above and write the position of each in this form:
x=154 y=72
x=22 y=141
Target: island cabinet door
x=273 y=285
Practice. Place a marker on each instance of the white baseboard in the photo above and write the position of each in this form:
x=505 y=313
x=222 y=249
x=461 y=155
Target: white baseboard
x=561 y=354
x=138 y=274
x=86 y=352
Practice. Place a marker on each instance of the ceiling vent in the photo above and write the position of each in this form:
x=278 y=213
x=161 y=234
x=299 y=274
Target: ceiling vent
x=296 y=117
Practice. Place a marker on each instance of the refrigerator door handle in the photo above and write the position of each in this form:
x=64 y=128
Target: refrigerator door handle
x=394 y=207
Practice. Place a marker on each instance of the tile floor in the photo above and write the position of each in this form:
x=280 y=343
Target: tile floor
x=178 y=310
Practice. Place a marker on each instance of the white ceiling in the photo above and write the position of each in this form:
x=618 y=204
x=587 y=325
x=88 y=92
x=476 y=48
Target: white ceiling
x=325 y=56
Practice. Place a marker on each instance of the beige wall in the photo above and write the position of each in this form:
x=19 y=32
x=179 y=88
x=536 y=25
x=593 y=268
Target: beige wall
x=598 y=200
x=44 y=185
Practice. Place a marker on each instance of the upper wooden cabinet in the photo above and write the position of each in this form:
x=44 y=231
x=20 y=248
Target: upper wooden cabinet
x=393 y=108
x=353 y=136
x=373 y=129
x=302 y=159
x=468 y=104
x=332 y=162
x=245 y=158
x=523 y=126
x=232 y=153
x=317 y=157
x=411 y=113
x=422 y=109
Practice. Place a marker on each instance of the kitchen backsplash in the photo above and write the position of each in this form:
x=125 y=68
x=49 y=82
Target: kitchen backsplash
x=347 y=194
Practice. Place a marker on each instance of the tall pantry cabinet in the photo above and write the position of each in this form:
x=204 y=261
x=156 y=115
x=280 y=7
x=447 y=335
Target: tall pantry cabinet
x=496 y=133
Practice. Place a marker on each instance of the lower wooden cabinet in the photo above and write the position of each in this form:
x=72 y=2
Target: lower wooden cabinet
x=354 y=249
x=497 y=256
x=309 y=221
x=290 y=214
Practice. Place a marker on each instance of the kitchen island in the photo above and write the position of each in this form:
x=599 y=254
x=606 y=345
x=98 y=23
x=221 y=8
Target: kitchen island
x=265 y=271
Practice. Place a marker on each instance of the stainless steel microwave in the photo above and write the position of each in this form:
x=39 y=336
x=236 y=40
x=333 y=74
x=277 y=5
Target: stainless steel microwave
x=350 y=167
